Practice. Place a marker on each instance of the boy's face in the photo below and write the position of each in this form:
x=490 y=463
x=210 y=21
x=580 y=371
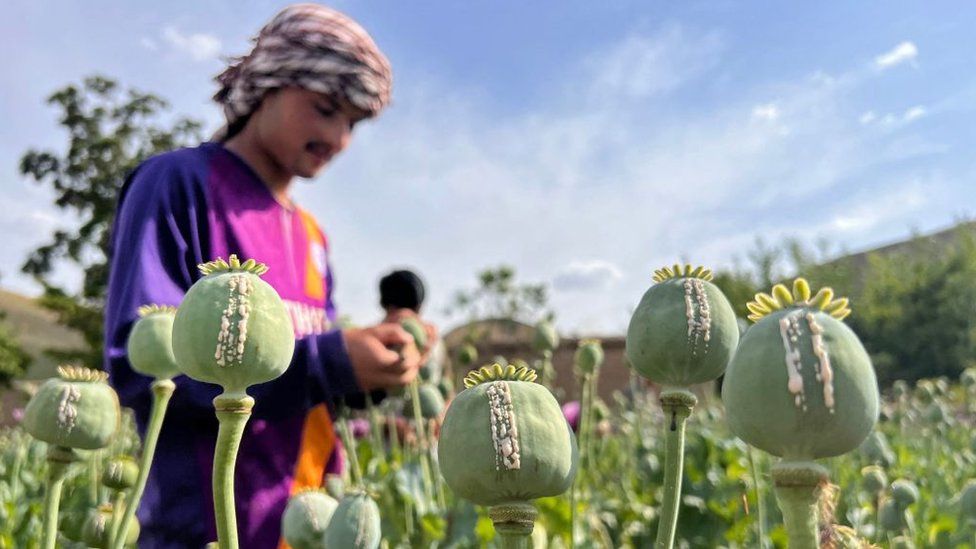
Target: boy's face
x=301 y=130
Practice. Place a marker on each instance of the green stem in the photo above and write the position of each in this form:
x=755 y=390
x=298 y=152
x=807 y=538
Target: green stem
x=391 y=430
x=513 y=523
x=582 y=428
x=117 y=513
x=375 y=428
x=94 y=477
x=58 y=459
x=760 y=499
x=798 y=487
x=350 y=443
x=233 y=411
x=418 y=420
x=548 y=372
x=162 y=390
x=677 y=405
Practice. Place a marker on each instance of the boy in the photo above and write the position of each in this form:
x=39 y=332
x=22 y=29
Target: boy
x=291 y=105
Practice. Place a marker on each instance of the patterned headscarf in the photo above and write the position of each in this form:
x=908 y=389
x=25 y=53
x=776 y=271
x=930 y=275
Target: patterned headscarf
x=312 y=47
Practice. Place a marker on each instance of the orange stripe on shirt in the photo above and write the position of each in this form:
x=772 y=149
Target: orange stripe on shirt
x=314 y=255
x=318 y=440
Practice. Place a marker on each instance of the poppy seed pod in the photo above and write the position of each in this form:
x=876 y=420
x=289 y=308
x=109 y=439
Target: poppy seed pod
x=121 y=474
x=355 y=523
x=232 y=328
x=431 y=401
x=801 y=386
x=873 y=479
x=76 y=410
x=876 y=449
x=967 y=501
x=904 y=492
x=97 y=529
x=150 y=343
x=684 y=330
x=589 y=356
x=417 y=331
x=546 y=338
x=467 y=354
x=306 y=517
x=504 y=439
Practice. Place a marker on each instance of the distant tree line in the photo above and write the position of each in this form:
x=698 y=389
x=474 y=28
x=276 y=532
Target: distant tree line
x=914 y=308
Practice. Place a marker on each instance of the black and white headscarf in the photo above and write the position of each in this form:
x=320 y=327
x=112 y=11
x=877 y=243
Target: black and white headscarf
x=312 y=47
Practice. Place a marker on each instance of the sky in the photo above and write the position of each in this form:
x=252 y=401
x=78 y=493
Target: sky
x=585 y=143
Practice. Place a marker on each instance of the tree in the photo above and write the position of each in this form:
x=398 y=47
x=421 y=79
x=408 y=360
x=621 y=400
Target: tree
x=109 y=133
x=916 y=316
x=498 y=296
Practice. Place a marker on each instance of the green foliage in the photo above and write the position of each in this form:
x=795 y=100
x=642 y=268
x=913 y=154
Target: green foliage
x=916 y=314
x=109 y=132
x=13 y=360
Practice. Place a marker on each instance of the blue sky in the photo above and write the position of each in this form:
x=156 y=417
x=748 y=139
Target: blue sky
x=586 y=143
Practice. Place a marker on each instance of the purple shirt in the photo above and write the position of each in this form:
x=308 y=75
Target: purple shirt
x=175 y=211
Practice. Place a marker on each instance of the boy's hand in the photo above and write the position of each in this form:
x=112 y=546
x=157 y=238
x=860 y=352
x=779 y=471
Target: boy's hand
x=382 y=356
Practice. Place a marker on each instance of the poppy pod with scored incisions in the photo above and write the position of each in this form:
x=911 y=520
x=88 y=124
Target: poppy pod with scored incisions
x=504 y=439
x=232 y=328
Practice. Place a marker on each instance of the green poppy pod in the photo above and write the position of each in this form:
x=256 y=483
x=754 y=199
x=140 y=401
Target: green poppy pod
x=355 y=523
x=150 y=343
x=876 y=450
x=431 y=401
x=589 y=356
x=890 y=518
x=467 y=354
x=417 y=331
x=121 y=473
x=904 y=492
x=967 y=501
x=546 y=338
x=446 y=388
x=306 y=517
x=97 y=530
x=71 y=524
x=683 y=331
x=504 y=439
x=232 y=328
x=76 y=410
x=968 y=377
x=433 y=370
x=335 y=486
x=935 y=414
x=873 y=480
x=801 y=386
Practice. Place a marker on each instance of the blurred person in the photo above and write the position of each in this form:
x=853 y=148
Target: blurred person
x=291 y=105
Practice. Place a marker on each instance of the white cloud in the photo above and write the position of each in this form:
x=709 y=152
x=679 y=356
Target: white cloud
x=914 y=113
x=199 y=46
x=641 y=65
x=148 y=43
x=895 y=120
x=576 y=179
x=860 y=216
x=768 y=111
x=903 y=52
x=587 y=275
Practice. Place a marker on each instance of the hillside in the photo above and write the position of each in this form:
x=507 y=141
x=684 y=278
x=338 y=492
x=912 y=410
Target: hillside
x=36 y=329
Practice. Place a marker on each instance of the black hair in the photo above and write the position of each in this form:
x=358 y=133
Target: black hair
x=402 y=289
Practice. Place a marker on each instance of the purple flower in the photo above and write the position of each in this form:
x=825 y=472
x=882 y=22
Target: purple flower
x=571 y=411
x=360 y=427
